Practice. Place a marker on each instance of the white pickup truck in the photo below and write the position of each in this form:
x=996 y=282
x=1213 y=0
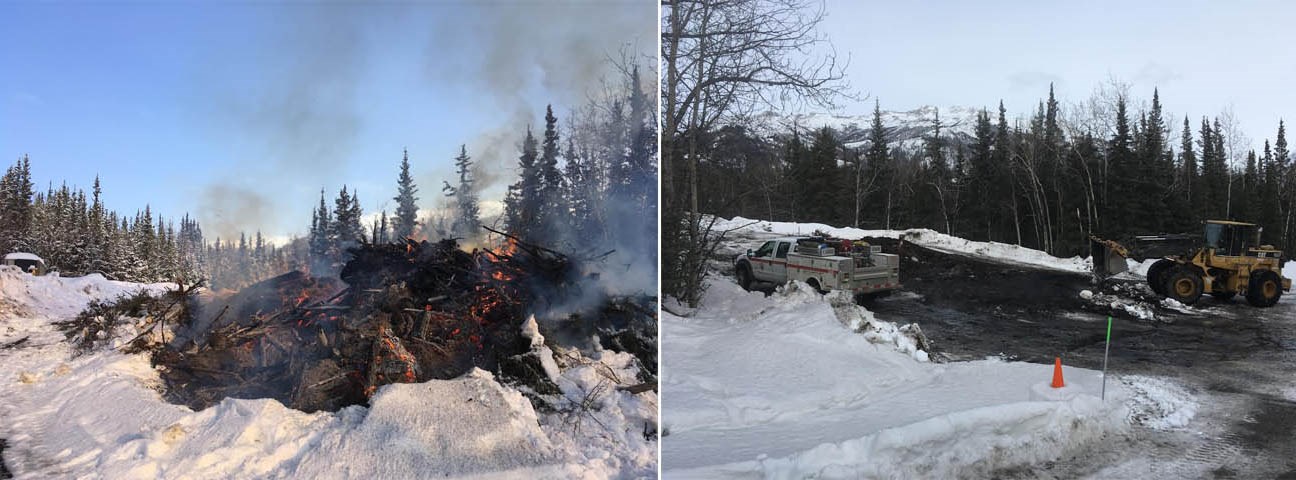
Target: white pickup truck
x=823 y=263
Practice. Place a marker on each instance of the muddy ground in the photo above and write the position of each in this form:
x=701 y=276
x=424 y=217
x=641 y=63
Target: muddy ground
x=1236 y=359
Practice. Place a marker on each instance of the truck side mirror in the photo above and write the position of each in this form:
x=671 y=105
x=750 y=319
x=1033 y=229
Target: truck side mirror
x=749 y=252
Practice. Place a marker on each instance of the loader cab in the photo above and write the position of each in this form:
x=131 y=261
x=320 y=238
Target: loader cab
x=1231 y=238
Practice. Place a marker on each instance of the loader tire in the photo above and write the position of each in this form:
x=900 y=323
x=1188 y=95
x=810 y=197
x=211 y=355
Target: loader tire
x=1156 y=275
x=1264 y=289
x=1183 y=285
x=745 y=276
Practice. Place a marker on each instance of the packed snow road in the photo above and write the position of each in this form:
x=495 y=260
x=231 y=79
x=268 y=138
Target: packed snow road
x=975 y=301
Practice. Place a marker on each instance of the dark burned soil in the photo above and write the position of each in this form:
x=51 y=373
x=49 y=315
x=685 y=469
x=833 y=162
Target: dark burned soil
x=972 y=308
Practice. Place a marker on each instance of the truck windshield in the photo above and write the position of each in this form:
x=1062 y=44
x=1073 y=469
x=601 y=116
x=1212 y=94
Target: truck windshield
x=1213 y=233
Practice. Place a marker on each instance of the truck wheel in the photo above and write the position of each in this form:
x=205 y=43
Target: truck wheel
x=744 y=276
x=1264 y=289
x=1183 y=285
x=1156 y=275
x=814 y=283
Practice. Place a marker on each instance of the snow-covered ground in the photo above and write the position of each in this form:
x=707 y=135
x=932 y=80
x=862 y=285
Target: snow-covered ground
x=100 y=415
x=798 y=385
x=783 y=387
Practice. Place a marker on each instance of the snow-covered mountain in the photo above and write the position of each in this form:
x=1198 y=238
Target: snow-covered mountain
x=907 y=128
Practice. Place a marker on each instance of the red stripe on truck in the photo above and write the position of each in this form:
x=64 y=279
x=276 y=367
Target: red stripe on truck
x=793 y=266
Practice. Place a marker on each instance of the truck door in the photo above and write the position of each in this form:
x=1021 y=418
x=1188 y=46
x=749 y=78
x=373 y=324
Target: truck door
x=778 y=269
x=761 y=261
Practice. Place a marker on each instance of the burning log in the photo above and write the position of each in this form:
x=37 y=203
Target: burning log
x=391 y=362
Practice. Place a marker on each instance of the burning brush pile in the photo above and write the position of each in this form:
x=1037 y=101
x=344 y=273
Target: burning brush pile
x=406 y=312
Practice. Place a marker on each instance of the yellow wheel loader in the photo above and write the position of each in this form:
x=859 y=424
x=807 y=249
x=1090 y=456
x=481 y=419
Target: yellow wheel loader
x=1227 y=260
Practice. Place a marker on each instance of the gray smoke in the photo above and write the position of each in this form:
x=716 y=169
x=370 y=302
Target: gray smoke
x=304 y=118
x=227 y=210
x=565 y=49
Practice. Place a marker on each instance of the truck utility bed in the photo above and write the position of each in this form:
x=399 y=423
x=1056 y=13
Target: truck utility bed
x=856 y=267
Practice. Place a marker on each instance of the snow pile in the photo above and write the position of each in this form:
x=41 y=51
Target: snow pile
x=908 y=339
x=1006 y=253
x=1133 y=306
x=26 y=300
x=66 y=420
x=602 y=431
x=1158 y=403
x=784 y=387
x=1141 y=268
x=999 y=252
x=791 y=228
x=1172 y=304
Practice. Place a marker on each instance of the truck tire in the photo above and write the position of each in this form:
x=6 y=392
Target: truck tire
x=814 y=283
x=1156 y=275
x=745 y=276
x=1183 y=284
x=1264 y=289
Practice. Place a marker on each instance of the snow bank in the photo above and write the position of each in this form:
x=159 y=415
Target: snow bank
x=1002 y=252
x=101 y=416
x=785 y=387
x=999 y=252
x=26 y=300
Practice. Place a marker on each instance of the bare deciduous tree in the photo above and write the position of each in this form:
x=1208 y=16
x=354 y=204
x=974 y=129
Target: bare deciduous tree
x=721 y=59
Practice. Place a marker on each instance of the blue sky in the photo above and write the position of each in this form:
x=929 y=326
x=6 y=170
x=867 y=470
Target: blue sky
x=1204 y=56
x=239 y=112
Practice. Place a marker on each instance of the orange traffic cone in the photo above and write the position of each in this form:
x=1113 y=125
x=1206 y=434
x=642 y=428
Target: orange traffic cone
x=1057 y=373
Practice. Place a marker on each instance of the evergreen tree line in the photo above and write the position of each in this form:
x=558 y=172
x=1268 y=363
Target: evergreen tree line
x=333 y=231
x=603 y=191
x=593 y=187
x=75 y=234
x=1041 y=182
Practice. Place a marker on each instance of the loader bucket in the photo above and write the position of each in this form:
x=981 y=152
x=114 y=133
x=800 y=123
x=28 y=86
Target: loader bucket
x=1108 y=258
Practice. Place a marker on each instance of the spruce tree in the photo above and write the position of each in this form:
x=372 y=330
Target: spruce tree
x=1285 y=173
x=580 y=195
x=405 y=221
x=980 y=175
x=523 y=200
x=1248 y=197
x=467 y=224
x=553 y=209
x=1190 y=175
x=1120 y=176
x=879 y=171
